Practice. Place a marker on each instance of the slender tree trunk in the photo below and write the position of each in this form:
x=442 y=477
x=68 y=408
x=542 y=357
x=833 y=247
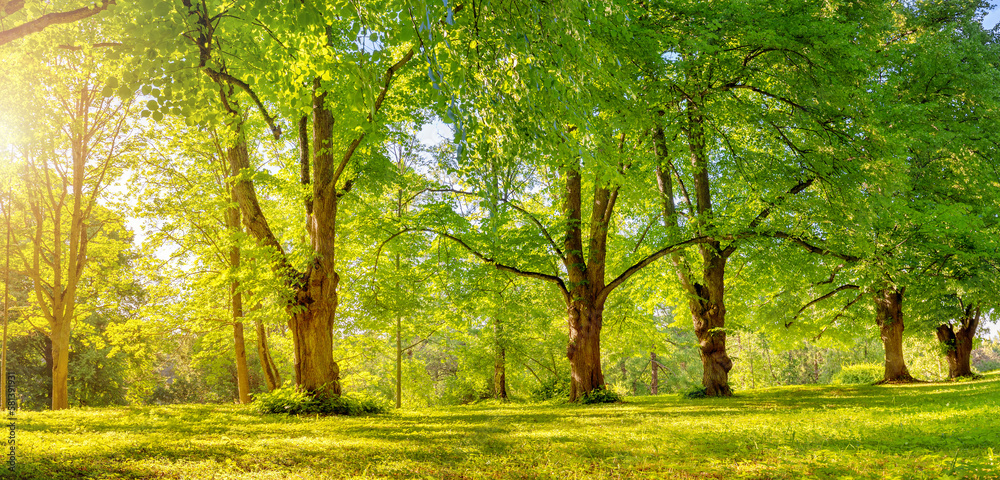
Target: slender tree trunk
x=399 y=361
x=236 y=304
x=889 y=317
x=654 y=386
x=271 y=374
x=242 y=373
x=499 y=363
x=958 y=345
x=6 y=306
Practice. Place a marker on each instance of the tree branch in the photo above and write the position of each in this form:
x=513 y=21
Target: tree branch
x=49 y=19
x=648 y=260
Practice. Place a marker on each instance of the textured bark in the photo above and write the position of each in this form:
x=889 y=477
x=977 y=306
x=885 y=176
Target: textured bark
x=271 y=374
x=709 y=312
x=60 y=335
x=584 y=352
x=707 y=296
x=585 y=301
x=958 y=345
x=889 y=317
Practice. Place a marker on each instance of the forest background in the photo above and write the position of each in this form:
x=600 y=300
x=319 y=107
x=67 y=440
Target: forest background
x=409 y=201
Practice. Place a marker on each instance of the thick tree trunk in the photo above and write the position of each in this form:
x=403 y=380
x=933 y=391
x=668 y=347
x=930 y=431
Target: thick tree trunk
x=271 y=374
x=958 y=345
x=708 y=310
x=889 y=317
x=311 y=325
x=60 y=336
x=584 y=351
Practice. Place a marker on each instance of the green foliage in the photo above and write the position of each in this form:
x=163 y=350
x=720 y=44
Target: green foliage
x=601 y=394
x=552 y=389
x=695 y=391
x=859 y=374
x=291 y=400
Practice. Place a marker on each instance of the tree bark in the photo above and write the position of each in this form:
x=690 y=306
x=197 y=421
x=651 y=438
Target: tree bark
x=312 y=311
x=958 y=345
x=60 y=336
x=399 y=360
x=236 y=304
x=654 y=385
x=709 y=312
x=584 y=351
x=889 y=317
x=707 y=297
x=271 y=374
x=499 y=363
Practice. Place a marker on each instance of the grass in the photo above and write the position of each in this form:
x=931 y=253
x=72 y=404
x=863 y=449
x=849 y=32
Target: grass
x=935 y=431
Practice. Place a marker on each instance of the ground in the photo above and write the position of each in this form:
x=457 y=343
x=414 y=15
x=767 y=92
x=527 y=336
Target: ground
x=934 y=431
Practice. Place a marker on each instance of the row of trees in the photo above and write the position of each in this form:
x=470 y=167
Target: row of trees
x=793 y=169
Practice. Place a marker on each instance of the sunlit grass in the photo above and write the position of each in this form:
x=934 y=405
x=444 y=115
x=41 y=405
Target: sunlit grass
x=899 y=431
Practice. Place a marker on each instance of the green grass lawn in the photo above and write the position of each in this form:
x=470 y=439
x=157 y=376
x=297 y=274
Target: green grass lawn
x=949 y=430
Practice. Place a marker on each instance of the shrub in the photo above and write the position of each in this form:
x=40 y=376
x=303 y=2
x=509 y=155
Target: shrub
x=293 y=401
x=555 y=388
x=859 y=374
x=695 y=391
x=600 y=395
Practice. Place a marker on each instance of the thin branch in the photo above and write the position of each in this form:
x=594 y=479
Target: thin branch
x=47 y=20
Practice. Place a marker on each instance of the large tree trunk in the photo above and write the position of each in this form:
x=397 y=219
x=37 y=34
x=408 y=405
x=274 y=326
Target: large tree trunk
x=312 y=312
x=271 y=374
x=709 y=312
x=654 y=385
x=958 y=345
x=60 y=336
x=242 y=372
x=889 y=317
x=584 y=351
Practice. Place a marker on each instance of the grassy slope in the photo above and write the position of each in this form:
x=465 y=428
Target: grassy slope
x=913 y=431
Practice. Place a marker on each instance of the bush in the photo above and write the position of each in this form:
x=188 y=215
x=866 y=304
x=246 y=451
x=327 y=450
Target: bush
x=600 y=395
x=293 y=401
x=860 y=374
x=555 y=388
x=695 y=391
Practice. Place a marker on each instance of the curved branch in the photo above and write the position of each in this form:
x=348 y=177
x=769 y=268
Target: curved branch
x=485 y=259
x=812 y=248
x=220 y=77
x=49 y=19
x=820 y=299
x=648 y=260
